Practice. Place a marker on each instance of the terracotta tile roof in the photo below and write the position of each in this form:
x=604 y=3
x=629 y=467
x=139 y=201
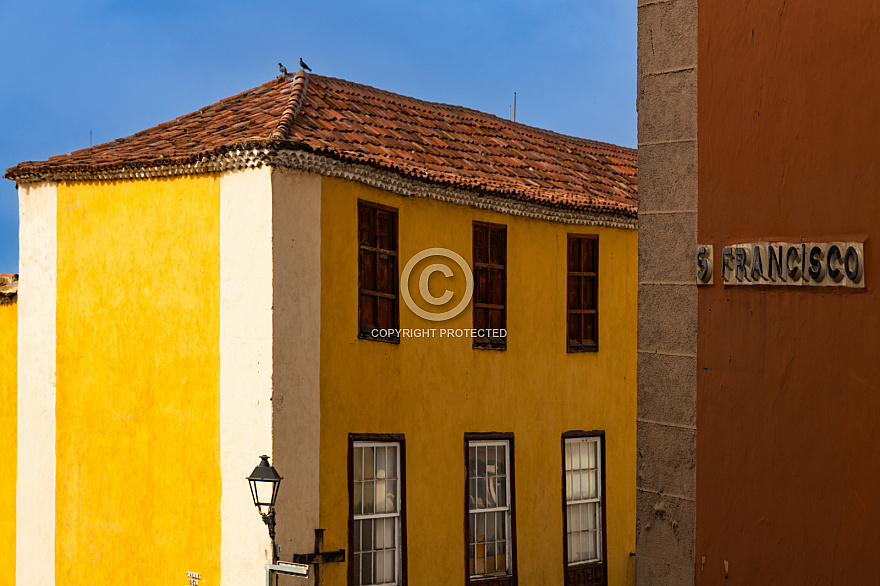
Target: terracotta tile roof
x=436 y=143
x=8 y=287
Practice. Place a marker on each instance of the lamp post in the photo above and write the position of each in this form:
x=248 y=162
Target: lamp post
x=264 y=482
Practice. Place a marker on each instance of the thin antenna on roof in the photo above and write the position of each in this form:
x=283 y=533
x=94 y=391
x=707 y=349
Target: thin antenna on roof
x=514 y=106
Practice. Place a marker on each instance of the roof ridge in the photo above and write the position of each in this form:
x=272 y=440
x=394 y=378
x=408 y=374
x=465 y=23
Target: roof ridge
x=294 y=104
x=480 y=114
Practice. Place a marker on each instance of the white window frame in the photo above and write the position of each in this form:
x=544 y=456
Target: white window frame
x=359 y=483
x=572 y=502
x=507 y=509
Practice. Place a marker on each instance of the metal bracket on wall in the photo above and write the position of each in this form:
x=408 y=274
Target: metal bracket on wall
x=320 y=556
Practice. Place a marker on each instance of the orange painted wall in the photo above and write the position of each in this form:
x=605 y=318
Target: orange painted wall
x=788 y=377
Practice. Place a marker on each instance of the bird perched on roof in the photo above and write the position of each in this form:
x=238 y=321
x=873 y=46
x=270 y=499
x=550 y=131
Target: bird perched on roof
x=303 y=64
x=282 y=69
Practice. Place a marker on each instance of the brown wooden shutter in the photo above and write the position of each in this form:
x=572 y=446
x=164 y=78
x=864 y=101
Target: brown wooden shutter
x=377 y=270
x=490 y=283
x=583 y=293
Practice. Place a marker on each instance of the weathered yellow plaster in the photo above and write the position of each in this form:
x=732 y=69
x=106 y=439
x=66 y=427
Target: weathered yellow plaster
x=138 y=472
x=434 y=390
x=8 y=426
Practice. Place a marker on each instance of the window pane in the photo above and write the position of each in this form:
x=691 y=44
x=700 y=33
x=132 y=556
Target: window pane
x=567 y=456
x=367 y=535
x=380 y=495
x=502 y=459
x=502 y=491
x=389 y=566
x=575 y=458
x=369 y=496
x=481 y=461
x=367 y=569
x=472 y=493
x=490 y=459
x=369 y=463
x=379 y=534
x=357 y=537
x=587 y=484
x=358 y=463
x=381 y=466
x=568 y=493
x=588 y=454
x=392 y=461
x=481 y=493
x=491 y=501
x=576 y=486
x=390 y=539
x=358 y=495
x=472 y=462
x=379 y=566
x=391 y=496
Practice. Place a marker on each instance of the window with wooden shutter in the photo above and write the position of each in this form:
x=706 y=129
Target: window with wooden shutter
x=583 y=293
x=377 y=271
x=490 y=284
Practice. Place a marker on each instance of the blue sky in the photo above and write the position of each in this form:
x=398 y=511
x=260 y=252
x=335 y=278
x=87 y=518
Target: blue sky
x=114 y=68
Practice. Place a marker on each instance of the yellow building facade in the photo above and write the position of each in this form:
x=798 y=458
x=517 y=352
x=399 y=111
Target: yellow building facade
x=8 y=375
x=183 y=311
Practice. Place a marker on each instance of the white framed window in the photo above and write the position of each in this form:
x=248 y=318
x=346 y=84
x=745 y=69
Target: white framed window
x=490 y=508
x=584 y=504
x=376 y=504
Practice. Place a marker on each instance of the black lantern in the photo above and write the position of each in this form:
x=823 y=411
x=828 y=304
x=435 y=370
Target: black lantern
x=264 y=481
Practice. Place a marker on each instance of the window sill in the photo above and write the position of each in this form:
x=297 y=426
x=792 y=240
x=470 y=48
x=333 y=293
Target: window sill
x=579 y=349
x=489 y=346
x=369 y=338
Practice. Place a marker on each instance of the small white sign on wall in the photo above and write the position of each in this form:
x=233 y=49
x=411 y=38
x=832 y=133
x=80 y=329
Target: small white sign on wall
x=818 y=264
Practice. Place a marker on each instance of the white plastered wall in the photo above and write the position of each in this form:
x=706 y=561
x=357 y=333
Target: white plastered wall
x=35 y=483
x=246 y=300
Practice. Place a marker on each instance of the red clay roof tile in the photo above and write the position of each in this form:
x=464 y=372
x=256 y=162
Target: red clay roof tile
x=439 y=143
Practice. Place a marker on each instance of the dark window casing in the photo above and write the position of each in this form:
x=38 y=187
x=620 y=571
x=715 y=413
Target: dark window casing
x=376 y=437
x=509 y=579
x=490 y=283
x=591 y=573
x=583 y=293
x=378 y=300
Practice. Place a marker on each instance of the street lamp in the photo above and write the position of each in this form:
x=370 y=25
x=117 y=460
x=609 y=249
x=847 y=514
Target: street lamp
x=264 y=482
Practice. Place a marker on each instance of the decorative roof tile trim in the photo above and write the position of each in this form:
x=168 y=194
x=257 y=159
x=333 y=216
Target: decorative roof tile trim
x=8 y=288
x=405 y=186
x=243 y=157
x=256 y=157
x=294 y=104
